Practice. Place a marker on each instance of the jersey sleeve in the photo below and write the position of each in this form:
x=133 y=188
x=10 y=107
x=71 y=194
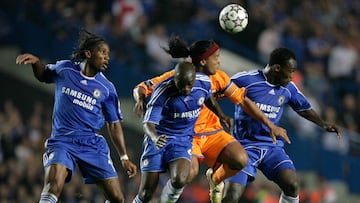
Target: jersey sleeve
x=52 y=71
x=298 y=101
x=111 y=107
x=150 y=84
x=207 y=90
x=155 y=106
x=222 y=83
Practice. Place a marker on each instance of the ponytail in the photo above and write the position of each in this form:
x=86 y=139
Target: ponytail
x=177 y=48
x=198 y=51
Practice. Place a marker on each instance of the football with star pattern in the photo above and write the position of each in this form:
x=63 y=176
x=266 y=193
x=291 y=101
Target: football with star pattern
x=233 y=18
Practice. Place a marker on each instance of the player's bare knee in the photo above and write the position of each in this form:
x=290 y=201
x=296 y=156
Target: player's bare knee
x=292 y=187
x=241 y=161
x=179 y=180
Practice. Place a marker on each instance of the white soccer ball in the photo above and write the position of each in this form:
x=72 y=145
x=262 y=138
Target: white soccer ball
x=233 y=18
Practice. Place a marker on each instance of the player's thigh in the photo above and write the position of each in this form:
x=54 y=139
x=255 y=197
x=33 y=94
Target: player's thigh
x=194 y=169
x=288 y=181
x=275 y=161
x=214 y=145
x=179 y=171
x=93 y=159
x=278 y=167
x=234 y=155
x=197 y=143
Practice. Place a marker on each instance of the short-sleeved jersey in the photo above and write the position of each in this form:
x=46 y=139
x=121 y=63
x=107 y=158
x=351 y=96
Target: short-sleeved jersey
x=270 y=99
x=82 y=104
x=221 y=85
x=150 y=84
x=174 y=114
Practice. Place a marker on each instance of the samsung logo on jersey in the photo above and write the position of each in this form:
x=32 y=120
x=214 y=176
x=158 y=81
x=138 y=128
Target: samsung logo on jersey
x=80 y=99
x=269 y=111
x=268 y=108
x=188 y=114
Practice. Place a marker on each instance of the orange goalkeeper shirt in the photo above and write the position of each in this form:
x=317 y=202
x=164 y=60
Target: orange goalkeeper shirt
x=221 y=86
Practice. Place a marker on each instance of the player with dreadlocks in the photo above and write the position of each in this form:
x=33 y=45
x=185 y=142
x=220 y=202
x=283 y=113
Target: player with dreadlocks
x=84 y=100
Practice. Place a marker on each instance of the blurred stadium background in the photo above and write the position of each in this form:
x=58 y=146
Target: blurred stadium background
x=324 y=34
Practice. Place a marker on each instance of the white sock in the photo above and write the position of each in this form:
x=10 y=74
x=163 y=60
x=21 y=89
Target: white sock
x=288 y=199
x=48 y=198
x=137 y=200
x=169 y=194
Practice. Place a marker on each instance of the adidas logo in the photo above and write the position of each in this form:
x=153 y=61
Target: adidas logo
x=84 y=82
x=272 y=92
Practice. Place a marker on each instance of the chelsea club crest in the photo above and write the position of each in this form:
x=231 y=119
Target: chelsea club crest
x=97 y=93
x=201 y=100
x=281 y=100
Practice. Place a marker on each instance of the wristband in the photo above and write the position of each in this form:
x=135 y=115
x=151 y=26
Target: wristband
x=124 y=157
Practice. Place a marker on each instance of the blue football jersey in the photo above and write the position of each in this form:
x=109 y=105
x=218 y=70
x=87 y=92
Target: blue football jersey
x=82 y=104
x=174 y=114
x=270 y=99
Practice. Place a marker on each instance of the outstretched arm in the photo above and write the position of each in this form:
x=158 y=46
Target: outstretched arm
x=117 y=137
x=252 y=110
x=144 y=90
x=312 y=116
x=37 y=66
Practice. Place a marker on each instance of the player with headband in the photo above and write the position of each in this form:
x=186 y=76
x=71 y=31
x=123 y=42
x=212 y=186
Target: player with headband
x=212 y=143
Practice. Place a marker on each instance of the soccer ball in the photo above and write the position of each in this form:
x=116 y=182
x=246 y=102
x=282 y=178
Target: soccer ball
x=233 y=18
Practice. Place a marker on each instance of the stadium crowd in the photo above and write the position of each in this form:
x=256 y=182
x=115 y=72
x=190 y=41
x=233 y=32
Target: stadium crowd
x=323 y=34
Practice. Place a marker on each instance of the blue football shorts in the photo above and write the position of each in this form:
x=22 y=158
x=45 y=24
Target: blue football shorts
x=90 y=153
x=268 y=159
x=157 y=160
